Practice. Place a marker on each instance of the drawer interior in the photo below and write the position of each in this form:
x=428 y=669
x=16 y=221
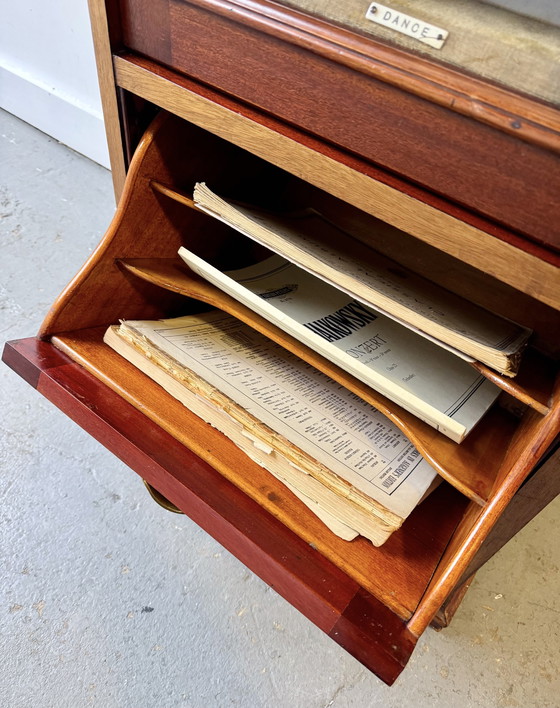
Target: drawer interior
x=397 y=572
x=135 y=274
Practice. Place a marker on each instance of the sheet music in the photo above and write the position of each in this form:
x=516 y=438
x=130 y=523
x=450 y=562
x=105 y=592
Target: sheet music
x=313 y=412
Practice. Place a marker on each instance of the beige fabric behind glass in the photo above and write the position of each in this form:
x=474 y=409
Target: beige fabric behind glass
x=513 y=50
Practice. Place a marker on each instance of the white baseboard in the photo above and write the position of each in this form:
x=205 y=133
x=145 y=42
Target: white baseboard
x=66 y=120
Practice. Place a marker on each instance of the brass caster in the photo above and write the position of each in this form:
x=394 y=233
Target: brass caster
x=161 y=500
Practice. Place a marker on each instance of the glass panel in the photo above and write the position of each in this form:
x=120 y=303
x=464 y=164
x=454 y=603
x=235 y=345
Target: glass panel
x=494 y=43
x=547 y=10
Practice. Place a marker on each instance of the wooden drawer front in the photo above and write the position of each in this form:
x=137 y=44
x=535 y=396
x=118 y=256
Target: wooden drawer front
x=465 y=160
x=336 y=603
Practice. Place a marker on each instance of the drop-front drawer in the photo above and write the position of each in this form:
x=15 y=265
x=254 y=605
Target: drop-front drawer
x=374 y=601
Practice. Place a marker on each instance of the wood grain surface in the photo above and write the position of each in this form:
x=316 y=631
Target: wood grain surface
x=471 y=467
x=525 y=117
x=445 y=151
x=534 y=271
x=103 y=45
x=396 y=573
x=306 y=564
x=533 y=438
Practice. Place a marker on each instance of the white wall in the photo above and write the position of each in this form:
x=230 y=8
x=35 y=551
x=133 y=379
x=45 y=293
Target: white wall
x=47 y=72
x=47 y=68
x=546 y=10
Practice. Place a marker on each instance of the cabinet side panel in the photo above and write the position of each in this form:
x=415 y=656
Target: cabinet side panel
x=100 y=13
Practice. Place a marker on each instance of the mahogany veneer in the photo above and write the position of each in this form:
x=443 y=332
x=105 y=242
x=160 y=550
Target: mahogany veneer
x=323 y=592
x=325 y=80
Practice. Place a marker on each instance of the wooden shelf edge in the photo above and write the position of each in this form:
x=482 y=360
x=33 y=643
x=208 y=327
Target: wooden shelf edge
x=347 y=178
x=456 y=465
x=173 y=194
x=333 y=601
x=532 y=386
x=524 y=454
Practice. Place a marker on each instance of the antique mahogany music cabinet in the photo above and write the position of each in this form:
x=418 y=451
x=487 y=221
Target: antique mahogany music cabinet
x=446 y=164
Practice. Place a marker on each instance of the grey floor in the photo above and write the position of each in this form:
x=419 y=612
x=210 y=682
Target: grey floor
x=107 y=600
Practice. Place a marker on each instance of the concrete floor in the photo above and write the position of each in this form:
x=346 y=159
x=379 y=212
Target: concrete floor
x=107 y=600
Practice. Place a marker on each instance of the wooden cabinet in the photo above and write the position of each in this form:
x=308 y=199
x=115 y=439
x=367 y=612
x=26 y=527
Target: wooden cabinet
x=454 y=177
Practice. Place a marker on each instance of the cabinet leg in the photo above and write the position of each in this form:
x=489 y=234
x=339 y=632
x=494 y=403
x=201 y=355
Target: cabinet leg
x=445 y=613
